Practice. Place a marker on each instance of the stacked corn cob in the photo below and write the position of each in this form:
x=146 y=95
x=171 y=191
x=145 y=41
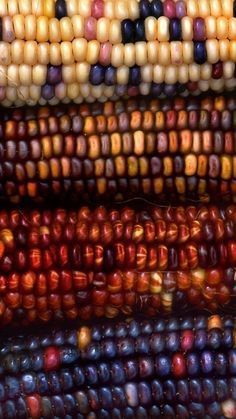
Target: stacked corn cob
x=183 y=148
x=60 y=264
x=145 y=369
x=70 y=264
x=53 y=51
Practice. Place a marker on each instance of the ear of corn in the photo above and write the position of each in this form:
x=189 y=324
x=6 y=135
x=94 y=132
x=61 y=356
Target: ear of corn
x=175 y=366
x=166 y=150
x=53 y=51
x=63 y=263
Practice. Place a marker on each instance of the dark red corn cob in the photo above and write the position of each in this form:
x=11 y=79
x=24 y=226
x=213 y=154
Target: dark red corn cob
x=158 y=367
x=164 y=149
x=70 y=264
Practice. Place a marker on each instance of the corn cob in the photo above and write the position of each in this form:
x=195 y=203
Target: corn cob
x=129 y=370
x=53 y=51
x=104 y=340
x=166 y=149
x=101 y=262
x=124 y=401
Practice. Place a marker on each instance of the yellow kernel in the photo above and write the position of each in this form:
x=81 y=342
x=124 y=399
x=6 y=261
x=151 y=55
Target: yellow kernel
x=163 y=33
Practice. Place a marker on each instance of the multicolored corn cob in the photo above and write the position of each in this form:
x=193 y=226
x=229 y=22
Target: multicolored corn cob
x=101 y=262
x=180 y=149
x=148 y=368
x=59 y=50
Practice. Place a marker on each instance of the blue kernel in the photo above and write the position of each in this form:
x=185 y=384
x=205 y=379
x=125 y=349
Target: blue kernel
x=127 y=31
x=182 y=391
x=200 y=54
x=175 y=29
x=103 y=372
x=141 y=413
x=182 y=412
x=208 y=390
x=193 y=365
x=71 y=337
x=117 y=373
x=172 y=341
x=42 y=384
x=108 y=332
x=97 y=74
x=207 y=362
x=91 y=374
x=146 y=367
x=28 y=383
x=157 y=9
x=129 y=413
x=222 y=391
x=125 y=347
x=93 y=399
x=60 y=9
x=142 y=345
x=195 y=390
x=169 y=89
x=196 y=409
x=58 y=406
x=9 y=411
x=131 y=369
x=105 y=398
x=214 y=338
x=134 y=329
x=186 y=323
x=119 y=397
x=54 y=76
x=232 y=361
x=103 y=414
x=232 y=387
x=11 y=364
x=32 y=343
x=214 y=409
x=2 y=392
x=96 y=333
x=157 y=343
x=144 y=392
x=68 y=355
x=163 y=365
x=121 y=331
x=220 y=364
x=12 y=387
x=110 y=80
x=146 y=328
x=69 y=403
x=145 y=9
x=109 y=349
x=200 y=322
x=116 y=414
x=54 y=382
x=58 y=338
x=157 y=391
x=21 y=408
x=66 y=380
x=154 y=412
x=78 y=376
x=134 y=76
x=168 y=412
x=139 y=31
x=172 y=325
x=169 y=390
x=47 y=92
x=200 y=339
